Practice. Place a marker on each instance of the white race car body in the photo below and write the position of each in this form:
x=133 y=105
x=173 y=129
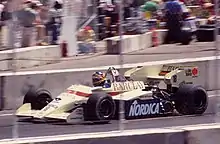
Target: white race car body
x=67 y=105
x=76 y=95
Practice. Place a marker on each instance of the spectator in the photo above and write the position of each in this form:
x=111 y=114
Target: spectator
x=173 y=17
x=86 y=39
x=27 y=19
x=127 y=8
x=161 y=10
x=150 y=8
x=55 y=20
x=44 y=16
x=1 y=15
x=7 y=18
x=211 y=10
x=39 y=23
x=1 y=24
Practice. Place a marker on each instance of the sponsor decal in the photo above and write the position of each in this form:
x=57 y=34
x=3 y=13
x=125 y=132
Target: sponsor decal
x=172 y=68
x=50 y=106
x=188 y=72
x=127 y=86
x=195 y=71
x=168 y=68
x=137 y=109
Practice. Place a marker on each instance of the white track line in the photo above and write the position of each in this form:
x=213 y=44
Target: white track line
x=9 y=114
x=214 y=95
x=131 y=65
x=110 y=134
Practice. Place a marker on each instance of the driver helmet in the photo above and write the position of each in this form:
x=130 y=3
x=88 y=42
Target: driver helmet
x=98 y=79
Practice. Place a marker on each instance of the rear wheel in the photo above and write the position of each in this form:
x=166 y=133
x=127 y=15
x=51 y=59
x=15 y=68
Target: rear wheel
x=37 y=98
x=100 y=107
x=191 y=99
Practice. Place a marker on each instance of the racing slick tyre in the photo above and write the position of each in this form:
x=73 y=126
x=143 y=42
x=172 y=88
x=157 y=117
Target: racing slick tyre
x=191 y=99
x=38 y=98
x=100 y=108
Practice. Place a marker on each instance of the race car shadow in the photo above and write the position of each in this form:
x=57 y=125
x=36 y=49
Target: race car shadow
x=57 y=122
x=81 y=123
x=34 y=121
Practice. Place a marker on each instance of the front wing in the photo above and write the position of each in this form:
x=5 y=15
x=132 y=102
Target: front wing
x=26 y=111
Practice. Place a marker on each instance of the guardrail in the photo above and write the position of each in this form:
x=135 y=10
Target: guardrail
x=191 y=134
x=133 y=42
x=38 y=55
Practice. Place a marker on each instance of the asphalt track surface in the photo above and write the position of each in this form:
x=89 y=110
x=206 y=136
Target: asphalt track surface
x=32 y=129
x=162 y=52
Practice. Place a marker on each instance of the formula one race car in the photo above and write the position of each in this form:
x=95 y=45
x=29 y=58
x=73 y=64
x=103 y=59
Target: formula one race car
x=142 y=92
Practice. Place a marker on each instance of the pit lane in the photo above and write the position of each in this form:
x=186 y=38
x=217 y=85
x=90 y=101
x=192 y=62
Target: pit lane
x=29 y=129
x=160 y=53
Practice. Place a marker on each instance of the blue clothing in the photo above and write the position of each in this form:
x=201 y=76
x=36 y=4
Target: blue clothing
x=173 y=7
x=54 y=24
x=86 y=48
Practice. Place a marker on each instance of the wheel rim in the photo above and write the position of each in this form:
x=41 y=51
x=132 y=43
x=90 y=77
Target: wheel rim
x=105 y=108
x=43 y=100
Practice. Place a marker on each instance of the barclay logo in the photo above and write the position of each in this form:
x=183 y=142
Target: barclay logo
x=143 y=109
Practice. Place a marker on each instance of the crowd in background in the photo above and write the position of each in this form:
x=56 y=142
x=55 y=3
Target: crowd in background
x=39 y=21
x=172 y=12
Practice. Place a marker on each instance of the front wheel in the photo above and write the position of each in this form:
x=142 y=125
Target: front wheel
x=37 y=98
x=191 y=99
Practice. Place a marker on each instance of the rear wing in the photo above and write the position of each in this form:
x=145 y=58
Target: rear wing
x=189 y=70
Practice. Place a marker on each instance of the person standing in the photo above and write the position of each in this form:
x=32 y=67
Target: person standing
x=173 y=16
x=39 y=23
x=27 y=19
x=55 y=21
x=150 y=9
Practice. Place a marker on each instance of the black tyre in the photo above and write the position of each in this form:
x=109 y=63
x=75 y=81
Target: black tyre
x=100 y=107
x=191 y=99
x=38 y=98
